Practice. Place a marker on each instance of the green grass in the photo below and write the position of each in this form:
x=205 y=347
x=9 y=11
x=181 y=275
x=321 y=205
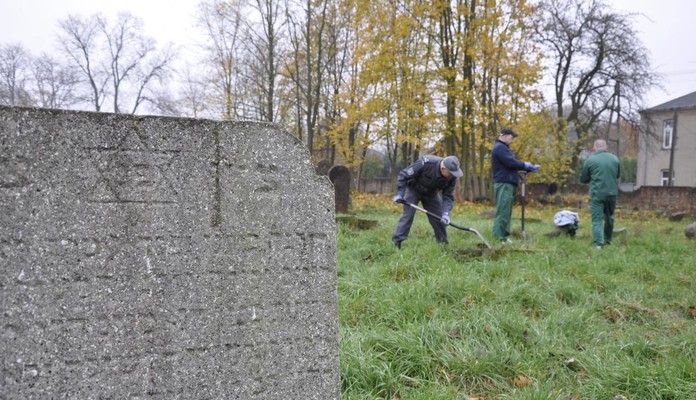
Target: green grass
x=552 y=319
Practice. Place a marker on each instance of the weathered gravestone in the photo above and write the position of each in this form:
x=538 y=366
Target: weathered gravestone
x=147 y=257
x=340 y=176
x=690 y=231
x=322 y=168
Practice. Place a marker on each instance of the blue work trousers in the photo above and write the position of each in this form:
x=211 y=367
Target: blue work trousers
x=431 y=202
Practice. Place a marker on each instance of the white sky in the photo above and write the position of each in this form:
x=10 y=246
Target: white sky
x=666 y=27
x=34 y=23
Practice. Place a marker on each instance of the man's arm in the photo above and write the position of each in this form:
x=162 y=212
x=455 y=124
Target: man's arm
x=448 y=196
x=505 y=156
x=585 y=172
x=618 y=169
x=407 y=175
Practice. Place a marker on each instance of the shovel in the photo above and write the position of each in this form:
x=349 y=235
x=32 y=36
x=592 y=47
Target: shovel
x=523 y=199
x=472 y=230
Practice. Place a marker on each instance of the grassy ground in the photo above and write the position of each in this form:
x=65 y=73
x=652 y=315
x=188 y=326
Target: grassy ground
x=550 y=318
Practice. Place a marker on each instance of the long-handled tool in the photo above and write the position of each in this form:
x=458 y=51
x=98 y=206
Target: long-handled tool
x=523 y=199
x=472 y=230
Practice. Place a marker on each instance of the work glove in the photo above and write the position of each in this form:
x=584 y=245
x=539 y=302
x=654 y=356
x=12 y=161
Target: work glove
x=398 y=198
x=445 y=219
x=531 y=167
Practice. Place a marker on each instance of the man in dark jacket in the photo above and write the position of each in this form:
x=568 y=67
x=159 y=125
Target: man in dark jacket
x=601 y=170
x=429 y=180
x=505 y=170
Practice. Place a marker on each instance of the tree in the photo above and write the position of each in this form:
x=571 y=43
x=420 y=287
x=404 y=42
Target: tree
x=591 y=49
x=134 y=63
x=307 y=65
x=349 y=99
x=14 y=75
x=120 y=55
x=448 y=40
x=79 y=41
x=396 y=53
x=506 y=66
x=55 y=84
x=194 y=99
x=338 y=92
x=487 y=66
x=265 y=50
x=222 y=22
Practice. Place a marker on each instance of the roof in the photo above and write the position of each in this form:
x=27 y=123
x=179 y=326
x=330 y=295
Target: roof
x=680 y=103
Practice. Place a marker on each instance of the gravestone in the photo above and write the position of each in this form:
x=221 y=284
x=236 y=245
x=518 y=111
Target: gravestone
x=678 y=216
x=322 y=168
x=690 y=231
x=340 y=176
x=151 y=257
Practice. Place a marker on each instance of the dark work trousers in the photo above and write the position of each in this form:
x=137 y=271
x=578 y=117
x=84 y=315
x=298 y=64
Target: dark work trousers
x=504 y=197
x=602 y=219
x=431 y=202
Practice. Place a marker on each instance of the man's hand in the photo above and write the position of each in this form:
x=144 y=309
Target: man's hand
x=445 y=219
x=531 y=167
x=398 y=199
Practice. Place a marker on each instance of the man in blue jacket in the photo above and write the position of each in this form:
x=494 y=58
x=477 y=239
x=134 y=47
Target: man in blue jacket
x=429 y=180
x=505 y=170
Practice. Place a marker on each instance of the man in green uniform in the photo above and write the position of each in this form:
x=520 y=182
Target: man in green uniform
x=601 y=170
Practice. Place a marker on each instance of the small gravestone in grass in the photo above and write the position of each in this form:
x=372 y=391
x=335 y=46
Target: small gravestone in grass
x=678 y=216
x=340 y=177
x=690 y=231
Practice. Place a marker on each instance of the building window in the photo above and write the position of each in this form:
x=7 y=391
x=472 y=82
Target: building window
x=667 y=131
x=664 y=177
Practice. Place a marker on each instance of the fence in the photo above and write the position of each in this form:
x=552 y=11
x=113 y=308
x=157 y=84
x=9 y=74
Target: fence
x=660 y=198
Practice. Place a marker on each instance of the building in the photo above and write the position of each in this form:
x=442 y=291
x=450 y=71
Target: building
x=668 y=143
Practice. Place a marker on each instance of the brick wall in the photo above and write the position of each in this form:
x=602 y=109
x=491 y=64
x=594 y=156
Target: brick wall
x=658 y=198
x=671 y=199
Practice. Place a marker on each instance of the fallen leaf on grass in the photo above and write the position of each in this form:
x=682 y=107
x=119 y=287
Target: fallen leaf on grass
x=522 y=381
x=692 y=311
x=572 y=364
x=613 y=314
x=640 y=308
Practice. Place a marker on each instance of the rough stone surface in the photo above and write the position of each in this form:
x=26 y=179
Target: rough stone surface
x=149 y=257
x=340 y=177
x=690 y=231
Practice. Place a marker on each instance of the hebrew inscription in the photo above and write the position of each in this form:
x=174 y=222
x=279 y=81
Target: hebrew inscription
x=149 y=257
x=13 y=172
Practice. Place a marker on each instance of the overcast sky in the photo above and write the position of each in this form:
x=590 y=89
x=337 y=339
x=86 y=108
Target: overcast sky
x=666 y=27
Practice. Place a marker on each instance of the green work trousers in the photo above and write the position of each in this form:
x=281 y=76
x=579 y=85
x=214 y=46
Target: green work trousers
x=504 y=197
x=602 y=219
